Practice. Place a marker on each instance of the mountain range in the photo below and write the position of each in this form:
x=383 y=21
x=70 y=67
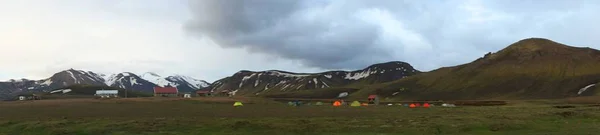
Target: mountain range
x=274 y=81
x=126 y=80
x=533 y=68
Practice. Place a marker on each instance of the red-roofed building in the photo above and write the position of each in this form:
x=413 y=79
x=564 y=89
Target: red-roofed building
x=165 y=91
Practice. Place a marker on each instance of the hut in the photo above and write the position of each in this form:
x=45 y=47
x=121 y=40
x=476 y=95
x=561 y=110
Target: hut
x=203 y=93
x=373 y=99
x=165 y=91
x=107 y=93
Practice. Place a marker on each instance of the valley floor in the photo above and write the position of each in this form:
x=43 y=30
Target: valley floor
x=258 y=116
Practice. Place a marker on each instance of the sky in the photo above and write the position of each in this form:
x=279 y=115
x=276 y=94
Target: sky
x=212 y=39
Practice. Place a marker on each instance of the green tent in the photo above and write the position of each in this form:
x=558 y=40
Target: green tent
x=238 y=103
x=355 y=104
x=319 y=103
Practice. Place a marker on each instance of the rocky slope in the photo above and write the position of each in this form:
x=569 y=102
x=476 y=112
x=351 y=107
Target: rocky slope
x=274 y=81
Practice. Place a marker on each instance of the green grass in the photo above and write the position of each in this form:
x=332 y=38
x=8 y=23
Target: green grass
x=199 y=117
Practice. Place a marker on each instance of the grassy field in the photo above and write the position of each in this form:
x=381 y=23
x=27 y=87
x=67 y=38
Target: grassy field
x=150 y=116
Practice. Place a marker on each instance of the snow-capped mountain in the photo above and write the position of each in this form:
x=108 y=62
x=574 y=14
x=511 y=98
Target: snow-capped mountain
x=250 y=82
x=179 y=81
x=124 y=80
x=129 y=81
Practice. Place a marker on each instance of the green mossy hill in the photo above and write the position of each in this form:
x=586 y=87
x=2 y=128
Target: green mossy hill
x=528 y=69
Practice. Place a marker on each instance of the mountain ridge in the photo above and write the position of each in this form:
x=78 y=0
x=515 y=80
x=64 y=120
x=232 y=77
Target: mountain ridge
x=273 y=81
x=124 y=80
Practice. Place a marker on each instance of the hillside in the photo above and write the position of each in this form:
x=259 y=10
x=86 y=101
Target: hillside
x=532 y=68
x=274 y=81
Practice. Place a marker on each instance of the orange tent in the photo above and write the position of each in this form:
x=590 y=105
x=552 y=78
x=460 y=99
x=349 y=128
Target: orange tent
x=426 y=105
x=412 y=106
x=337 y=103
x=364 y=104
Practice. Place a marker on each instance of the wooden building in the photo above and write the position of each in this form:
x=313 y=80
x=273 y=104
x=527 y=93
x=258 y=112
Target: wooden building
x=166 y=92
x=203 y=93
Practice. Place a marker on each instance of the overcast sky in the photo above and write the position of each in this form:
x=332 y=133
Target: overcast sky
x=212 y=39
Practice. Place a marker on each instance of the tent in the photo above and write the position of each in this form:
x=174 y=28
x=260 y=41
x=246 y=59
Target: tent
x=448 y=105
x=355 y=104
x=373 y=99
x=238 y=103
x=291 y=103
x=364 y=104
x=319 y=103
x=425 y=105
x=337 y=103
x=412 y=106
x=297 y=103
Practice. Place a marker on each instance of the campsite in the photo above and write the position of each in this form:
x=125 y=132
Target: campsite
x=217 y=115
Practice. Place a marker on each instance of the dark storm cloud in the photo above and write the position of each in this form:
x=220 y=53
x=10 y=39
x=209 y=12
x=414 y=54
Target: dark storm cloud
x=352 y=34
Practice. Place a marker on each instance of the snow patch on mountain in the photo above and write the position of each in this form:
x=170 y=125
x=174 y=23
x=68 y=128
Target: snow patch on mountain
x=279 y=73
x=111 y=80
x=158 y=80
x=197 y=83
x=585 y=88
x=47 y=82
x=73 y=76
x=360 y=75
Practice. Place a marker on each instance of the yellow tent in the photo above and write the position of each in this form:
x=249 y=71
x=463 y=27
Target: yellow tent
x=236 y=104
x=355 y=104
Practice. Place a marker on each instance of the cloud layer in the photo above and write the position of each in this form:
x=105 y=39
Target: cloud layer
x=212 y=39
x=351 y=34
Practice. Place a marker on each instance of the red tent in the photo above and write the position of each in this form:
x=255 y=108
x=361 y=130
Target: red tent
x=337 y=103
x=426 y=105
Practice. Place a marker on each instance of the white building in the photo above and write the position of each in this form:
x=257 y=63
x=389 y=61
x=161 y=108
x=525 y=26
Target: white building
x=107 y=93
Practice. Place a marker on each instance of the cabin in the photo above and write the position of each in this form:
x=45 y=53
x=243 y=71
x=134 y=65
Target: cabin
x=224 y=93
x=203 y=93
x=166 y=92
x=107 y=93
